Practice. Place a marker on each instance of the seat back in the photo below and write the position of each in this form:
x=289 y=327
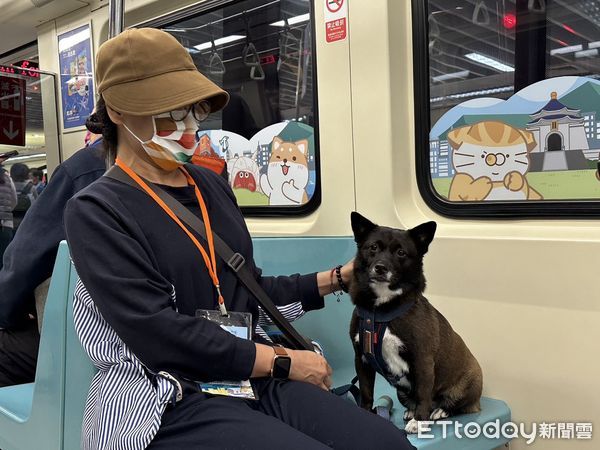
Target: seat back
x=79 y=374
x=37 y=420
x=329 y=326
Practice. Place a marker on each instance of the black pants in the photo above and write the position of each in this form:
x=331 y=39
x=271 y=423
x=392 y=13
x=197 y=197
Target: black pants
x=18 y=354
x=288 y=415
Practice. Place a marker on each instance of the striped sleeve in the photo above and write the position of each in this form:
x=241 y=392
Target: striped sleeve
x=123 y=409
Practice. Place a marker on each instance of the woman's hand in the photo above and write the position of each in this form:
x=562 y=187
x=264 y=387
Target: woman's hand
x=310 y=367
x=347 y=272
x=328 y=282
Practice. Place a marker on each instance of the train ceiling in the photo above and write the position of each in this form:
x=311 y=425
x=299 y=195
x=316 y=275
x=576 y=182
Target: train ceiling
x=472 y=43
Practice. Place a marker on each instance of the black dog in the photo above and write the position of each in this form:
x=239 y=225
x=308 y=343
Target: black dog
x=396 y=332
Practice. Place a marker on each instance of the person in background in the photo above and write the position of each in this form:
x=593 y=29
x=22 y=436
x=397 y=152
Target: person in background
x=37 y=178
x=29 y=260
x=26 y=194
x=8 y=200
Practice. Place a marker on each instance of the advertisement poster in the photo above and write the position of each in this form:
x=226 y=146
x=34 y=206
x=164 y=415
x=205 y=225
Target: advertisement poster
x=76 y=81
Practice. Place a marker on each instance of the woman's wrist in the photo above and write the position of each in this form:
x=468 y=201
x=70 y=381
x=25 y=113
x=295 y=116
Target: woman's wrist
x=328 y=281
x=263 y=361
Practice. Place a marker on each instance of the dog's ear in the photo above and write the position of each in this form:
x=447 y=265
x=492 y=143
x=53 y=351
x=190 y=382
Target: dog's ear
x=361 y=226
x=423 y=235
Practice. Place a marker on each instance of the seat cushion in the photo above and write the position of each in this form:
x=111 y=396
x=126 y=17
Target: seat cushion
x=491 y=410
x=15 y=401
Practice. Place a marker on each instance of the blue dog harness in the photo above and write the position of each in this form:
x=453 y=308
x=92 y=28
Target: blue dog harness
x=371 y=329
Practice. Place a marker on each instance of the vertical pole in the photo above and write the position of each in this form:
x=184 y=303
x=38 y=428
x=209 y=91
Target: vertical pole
x=530 y=43
x=116 y=13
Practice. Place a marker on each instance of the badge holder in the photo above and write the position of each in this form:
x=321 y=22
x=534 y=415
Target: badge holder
x=240 y=325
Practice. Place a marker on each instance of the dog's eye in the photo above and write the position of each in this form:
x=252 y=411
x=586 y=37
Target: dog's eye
x=374 y=247
x=400 y=253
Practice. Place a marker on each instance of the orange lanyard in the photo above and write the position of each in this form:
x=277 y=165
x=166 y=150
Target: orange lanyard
x=210 y=261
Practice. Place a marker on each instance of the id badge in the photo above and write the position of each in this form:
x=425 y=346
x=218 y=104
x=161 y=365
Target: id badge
x=240 y=325
x=237 y=323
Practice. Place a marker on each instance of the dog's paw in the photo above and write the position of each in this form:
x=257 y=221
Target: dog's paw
x=438 y=413
x=412 y=426
x=408 y=414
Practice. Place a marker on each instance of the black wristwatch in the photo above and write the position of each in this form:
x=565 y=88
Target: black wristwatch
x=281 y=364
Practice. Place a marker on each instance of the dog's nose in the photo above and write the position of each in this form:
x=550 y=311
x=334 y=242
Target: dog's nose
x=380 y=269
x=284 y=160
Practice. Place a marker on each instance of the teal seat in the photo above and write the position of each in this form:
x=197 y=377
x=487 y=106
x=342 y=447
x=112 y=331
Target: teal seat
x=31 y=415
x=47 y=414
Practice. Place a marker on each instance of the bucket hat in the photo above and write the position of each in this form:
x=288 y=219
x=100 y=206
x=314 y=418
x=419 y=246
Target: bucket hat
x=146 y=71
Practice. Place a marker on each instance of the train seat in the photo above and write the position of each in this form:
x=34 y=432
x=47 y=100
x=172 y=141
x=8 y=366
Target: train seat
x=47 y=414
x=31 y=415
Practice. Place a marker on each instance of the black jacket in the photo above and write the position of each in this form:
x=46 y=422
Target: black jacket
x=29 y=259
x=133 y=259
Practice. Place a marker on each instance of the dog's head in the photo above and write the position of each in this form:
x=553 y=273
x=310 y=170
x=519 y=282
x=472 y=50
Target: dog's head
x=389 y=261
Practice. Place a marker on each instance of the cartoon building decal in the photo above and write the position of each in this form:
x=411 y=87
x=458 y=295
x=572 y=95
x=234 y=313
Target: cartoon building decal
x=558 y=130
x=559 y=145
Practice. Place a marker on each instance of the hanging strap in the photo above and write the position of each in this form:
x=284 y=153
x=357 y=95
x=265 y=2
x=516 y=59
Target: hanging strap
x=233 y=259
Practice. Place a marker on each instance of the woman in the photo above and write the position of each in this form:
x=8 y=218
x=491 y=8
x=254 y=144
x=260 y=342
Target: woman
x=8 y=200
x=143 y=276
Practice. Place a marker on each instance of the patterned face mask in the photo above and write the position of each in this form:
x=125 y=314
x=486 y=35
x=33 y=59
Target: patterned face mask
x=174 y=140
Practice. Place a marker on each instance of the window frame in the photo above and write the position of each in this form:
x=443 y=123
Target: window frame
x=544 y=209
x=209 y=6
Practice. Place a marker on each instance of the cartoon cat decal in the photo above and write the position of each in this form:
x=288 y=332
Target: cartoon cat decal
x=491 y=159
x=287 y=173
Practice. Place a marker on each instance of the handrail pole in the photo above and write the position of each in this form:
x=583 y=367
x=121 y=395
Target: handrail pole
x=116 y=14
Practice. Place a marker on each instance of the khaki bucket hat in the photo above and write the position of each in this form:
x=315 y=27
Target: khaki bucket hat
x=146 y=71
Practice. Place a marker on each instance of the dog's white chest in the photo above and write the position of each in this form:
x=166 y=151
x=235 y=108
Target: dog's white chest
x=391 y=346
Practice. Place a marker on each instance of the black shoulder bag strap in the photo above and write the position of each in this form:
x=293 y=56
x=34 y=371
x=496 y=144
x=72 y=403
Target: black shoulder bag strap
x=233 y=259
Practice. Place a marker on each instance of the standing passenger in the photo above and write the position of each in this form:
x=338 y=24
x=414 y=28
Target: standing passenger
x=8 y=200
x=26 y=194
x=143 y=277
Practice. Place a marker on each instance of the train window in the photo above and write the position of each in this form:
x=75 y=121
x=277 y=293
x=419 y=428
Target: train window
x=508 y=112
x=262 y=53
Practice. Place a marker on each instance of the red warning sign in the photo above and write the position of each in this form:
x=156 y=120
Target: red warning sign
x=336 y=20
x=12 y=111
x=336 y=30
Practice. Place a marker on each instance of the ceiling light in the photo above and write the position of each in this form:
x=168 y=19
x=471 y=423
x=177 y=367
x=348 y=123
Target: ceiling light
x=453 y=75
x=482 y=59
x=220 y=41
x=568 y=49
x=24 y=157
x=74 y=39
x=586 y=53
x=292 y=20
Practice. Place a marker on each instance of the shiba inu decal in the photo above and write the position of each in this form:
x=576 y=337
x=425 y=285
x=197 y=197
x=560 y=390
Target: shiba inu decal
x=287 y=173
x=491 y=159
x=275 y=167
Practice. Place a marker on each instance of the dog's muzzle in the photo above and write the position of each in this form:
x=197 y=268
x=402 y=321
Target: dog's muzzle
x=380 y=272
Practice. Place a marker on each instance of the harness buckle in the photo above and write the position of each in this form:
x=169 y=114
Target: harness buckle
x=236 y=262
